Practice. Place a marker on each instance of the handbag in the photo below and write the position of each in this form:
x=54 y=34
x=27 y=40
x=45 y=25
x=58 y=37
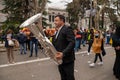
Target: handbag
x=16 y=43
x=102 y=48
x=10 y=42
x=103 y=52
x=111 y=41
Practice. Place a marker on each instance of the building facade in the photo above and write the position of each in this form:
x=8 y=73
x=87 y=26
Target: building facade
x=52 y=12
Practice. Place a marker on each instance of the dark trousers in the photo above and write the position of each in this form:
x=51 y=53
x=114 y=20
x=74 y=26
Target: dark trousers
x=67 y=71
x=96 y=57
x=32 y=43
x=80 y=40
x=116 y=68
x=28 y=44
x=90 y=45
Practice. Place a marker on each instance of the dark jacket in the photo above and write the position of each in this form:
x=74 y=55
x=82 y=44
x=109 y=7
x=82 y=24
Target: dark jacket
x=116 y=40
x=6 y=41
x=65 y=43
x=21 y=38
x=33 y=38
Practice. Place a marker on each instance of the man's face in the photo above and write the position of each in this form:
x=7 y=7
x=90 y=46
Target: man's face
x=58 y=22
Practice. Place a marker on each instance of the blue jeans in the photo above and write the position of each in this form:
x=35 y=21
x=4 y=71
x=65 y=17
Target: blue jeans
x=107 y=39
x=22 y=48
x=33 y=45
x=77 y=43
x=83 y=42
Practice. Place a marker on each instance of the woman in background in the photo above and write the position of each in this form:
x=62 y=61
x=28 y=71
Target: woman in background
x=96 y=46
x=9 y=48
x=90 y=40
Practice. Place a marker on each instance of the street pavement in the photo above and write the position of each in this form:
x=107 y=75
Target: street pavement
x=43 y=68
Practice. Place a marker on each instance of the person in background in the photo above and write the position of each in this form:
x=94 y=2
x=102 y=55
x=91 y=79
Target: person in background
x=9 y=49
x=90 y=40
x=116 y=45
x=80 y=32
x=84 y=37
x=33 y=45
x=26 y=31
x=22 y=41
x=77 y=40
x=96 y=46
x=108 y=37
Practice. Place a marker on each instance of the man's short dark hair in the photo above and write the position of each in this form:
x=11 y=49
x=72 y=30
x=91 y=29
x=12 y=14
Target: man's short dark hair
x=61 y=17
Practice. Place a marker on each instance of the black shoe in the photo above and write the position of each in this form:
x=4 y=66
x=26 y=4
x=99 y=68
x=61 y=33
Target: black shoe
x=83 y=45
x=41 y=47
x=30 y=56
x=79 y=48
x=25 y=53
x=117 y=77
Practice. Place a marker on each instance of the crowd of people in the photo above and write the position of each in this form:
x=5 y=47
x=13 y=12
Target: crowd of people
x=66 y=42
x=25 y=40
x=85 y=36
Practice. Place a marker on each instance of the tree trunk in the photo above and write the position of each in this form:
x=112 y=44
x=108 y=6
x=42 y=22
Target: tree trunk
x=102 y=19
x=97 y=16
x=36 y=6
x=43 y=4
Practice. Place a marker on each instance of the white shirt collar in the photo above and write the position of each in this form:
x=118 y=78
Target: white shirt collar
x=58 y=32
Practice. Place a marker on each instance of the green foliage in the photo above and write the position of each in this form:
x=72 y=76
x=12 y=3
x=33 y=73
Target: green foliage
x=117 y=23
x=17 y=11
x=44 y=23
x=10 y=25
x=76 y=10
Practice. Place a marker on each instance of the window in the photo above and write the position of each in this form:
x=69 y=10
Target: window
x=53 y=18
x=49 y=18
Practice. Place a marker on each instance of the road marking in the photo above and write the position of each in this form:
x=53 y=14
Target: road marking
x=37 y=60
x=87 y=51
x=25 y=62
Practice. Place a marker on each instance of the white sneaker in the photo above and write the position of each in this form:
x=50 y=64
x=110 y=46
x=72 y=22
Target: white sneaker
x=92 y=64
x=100 y=63
x=88 y=53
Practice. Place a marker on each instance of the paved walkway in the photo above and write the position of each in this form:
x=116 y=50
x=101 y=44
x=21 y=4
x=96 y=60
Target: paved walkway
x=43 y=68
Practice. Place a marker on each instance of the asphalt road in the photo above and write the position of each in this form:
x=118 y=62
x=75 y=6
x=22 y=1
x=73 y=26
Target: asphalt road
x=43 y=68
